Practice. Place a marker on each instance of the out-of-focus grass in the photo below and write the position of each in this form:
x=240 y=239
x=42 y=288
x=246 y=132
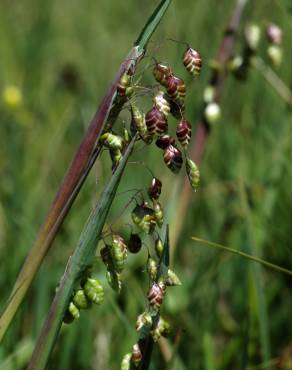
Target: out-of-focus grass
x=61 y=54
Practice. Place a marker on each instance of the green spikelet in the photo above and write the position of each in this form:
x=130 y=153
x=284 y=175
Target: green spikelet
x=118 y=252
x=80 y=299
x=143 y=216
x=158 y=213
x=94 y=291
x=112 y=141
x=74 y=311
x=144 y=321
x=126 y=362
x=193 y=173
x=158 y=247
x=162 y=329
x=172 y=279
x=114 y=281
x=152 y=268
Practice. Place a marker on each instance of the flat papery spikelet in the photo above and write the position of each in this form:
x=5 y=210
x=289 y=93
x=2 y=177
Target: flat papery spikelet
x=161 y=72
x=156 y=122
x=161 y=103
x=176 y=88
x=193 y=173
x=184 y=132
x=173 y=158
x=192 y=61
x=94 y=291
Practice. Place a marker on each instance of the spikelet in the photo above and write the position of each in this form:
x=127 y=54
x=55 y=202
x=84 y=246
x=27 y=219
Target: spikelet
x=152 y=268
x=94 y=291
x=114 y=280
x=158 y=213
x=123 y=84
x=134 y=243
x=156 y=296
x=192 y=61
x=138 y=123
x=80 y=300
x=143 y=217
x=172 y=279
x=118 y=252
x=112 y=141
x=173 y=158
x=154 y=189
x=74 y=311
x=156 y=122
x=126 y=361
x=162 y=329
x=158 y=247
x=144 y=321
x=164 y=141
x=161 y=72
x=176 y=88
x=161 y=103
x=193 y=173
x=136 y=354
x=184 y=132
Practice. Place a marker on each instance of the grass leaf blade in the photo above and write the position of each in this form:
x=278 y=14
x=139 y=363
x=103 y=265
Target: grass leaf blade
x=82 y=256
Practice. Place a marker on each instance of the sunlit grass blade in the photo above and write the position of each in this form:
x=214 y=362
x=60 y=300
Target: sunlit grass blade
x=77 y=263
x=244 y=255
x=75 y=176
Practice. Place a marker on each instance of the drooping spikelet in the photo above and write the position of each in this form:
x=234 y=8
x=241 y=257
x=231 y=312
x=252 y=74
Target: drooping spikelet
x=193 y=173
x=192 y=61
x=184 y=132
x=173 y=158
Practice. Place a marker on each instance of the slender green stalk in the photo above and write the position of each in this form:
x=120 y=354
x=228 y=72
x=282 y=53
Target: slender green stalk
x=79 y=261
x=77 y=173
x=244 y=255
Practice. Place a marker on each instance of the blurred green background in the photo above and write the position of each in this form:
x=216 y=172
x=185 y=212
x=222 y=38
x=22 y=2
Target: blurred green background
x=229 y=313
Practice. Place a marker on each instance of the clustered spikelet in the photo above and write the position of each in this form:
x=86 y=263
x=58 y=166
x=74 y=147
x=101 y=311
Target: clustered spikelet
x=119 y=253
x=161 y=72
x=143 y=216
x=161 y=103
x=173 y=158
x=138 y=122
x=176 y=88
x=154 y=189
x=158 y=213
x=192 y=61
x=152 y=268
x=156 y=295
x=162 y=329
x=90 y=292
x=164 y=141
x=156 y=122
x=144 y=321
x=184 y=132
